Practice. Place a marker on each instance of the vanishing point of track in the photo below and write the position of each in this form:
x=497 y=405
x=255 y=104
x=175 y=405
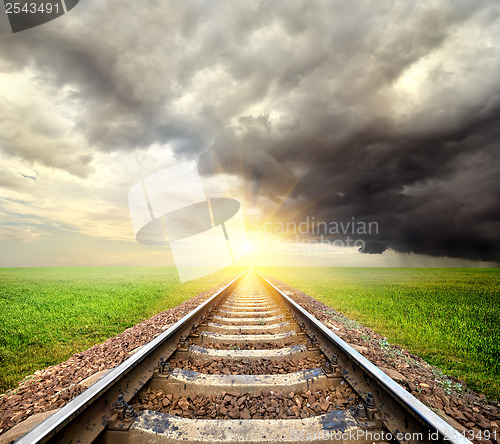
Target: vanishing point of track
x=249 y=365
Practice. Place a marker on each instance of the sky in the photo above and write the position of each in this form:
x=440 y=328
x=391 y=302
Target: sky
x=381 y=112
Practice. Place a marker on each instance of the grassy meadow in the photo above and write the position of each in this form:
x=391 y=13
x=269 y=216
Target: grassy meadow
x=450 y=317
x=48 y=314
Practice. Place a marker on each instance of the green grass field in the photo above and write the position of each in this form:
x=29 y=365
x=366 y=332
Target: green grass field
x=450 y=317
x=48 y=314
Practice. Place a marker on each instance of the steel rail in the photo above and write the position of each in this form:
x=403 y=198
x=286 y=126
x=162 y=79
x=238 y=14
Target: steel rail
x=371 y=373
x=55 y=423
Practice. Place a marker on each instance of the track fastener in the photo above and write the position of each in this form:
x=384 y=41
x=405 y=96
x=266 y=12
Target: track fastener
x=361 y=413
x=195 y=333
x=312 y=343
x=331 y=368
x=183 y=343
x=328 y=368
x=370 y=400
x=370 y=408
x=122 y=409
x=129 y=414
x=123 y=415
x=120 y=404
x=164 y=366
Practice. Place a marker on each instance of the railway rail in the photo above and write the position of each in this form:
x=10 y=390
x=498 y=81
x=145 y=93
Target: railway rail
x=249 y=365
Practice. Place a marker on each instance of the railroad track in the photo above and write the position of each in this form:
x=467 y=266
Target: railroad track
x=249 y=365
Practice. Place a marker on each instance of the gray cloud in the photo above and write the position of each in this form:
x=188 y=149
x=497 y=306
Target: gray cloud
x=381 y=110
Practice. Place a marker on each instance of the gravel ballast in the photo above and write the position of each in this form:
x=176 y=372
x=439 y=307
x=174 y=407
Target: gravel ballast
x=219 y=366
x=266 y=405
x=249 y=346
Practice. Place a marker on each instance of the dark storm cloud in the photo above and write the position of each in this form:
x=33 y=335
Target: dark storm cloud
x=379 y=110
x=429 y=195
